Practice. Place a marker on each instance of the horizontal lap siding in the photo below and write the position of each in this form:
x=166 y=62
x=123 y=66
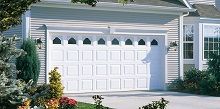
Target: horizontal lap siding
x=86 y=18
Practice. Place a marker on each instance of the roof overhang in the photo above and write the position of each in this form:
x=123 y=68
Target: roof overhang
x=106 y=6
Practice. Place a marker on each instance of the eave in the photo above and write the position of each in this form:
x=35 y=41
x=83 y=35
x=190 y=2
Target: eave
x=105 y=6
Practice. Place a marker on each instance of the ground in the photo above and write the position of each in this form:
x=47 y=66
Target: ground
x=135 y=99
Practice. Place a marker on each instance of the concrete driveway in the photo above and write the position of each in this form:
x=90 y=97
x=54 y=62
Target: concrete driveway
x=135 y=99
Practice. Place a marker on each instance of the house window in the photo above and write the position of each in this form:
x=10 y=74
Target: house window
x=56 y=41
x=211 y=40
x=154 y=42
x=71 y=41
x=141 y=42
x=86 y=41
x=128 y=42
x=115 y=41
x=188 y=38
x=101 y=41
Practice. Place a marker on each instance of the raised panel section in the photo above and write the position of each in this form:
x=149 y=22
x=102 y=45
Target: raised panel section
x=129 y=69
x=141 y=55
x=115 y=69
x=101 y=69
x=129 y=55
x=101 y=84
x=142 y=83
x=115 y=55
x=129 y=83
x=87 y=70
x=72 y=56
x=115 y=84
x=72 y=85
x=73 y=70
x=141 y=69
x=101 y=55
x=57 y=55
x=87 y=85
x=87 y=55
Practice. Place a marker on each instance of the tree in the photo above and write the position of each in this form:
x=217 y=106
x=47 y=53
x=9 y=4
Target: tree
x=28 y=65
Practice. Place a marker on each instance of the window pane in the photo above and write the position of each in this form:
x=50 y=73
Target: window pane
x=188 y=32
x=141 y=42
x=56 y=41
x=206 y=46
x=128 y=42
x=115 y=42
x=101 y=41
x=87 y=41
x=154 y=42
x=216 y=46
x=188 y=50
x=71 y=41
x=210 y=46
x=206 y=54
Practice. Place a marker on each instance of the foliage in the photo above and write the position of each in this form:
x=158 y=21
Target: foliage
x=28 y=65
x=98 y=101
x=56 y=87
x=201 y=82
x=161 y=104
x=52 y=103
x=89 y=2
x=67 y=103
x=11 y=11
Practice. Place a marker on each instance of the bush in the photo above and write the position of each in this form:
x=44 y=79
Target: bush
x=161 y=104
x=56 y=87
x=201 y=82
x=67 y=103
x=28 y=65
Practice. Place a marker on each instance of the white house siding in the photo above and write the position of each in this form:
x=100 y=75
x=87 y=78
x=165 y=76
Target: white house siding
x=209 y=2
x=87 y=18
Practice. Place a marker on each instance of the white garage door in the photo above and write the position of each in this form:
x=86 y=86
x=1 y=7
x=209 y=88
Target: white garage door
x=99 y=63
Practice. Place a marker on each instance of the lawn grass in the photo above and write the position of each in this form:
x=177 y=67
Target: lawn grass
x=82 y=105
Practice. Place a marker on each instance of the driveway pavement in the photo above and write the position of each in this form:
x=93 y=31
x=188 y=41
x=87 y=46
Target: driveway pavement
x=135 y=99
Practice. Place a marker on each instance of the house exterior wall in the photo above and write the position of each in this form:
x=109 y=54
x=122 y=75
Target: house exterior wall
x=199 y=62
x=89 y=18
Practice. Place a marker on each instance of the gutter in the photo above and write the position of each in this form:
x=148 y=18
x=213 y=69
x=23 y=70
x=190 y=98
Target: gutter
x=116 y=7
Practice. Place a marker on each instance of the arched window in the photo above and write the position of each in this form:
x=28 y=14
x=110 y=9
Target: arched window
x=101 y=41
x=141 y=42
x=128 y=42
x=56 y=41
x=71 y=41
x=154 y=42
x=115 y=42
x=86 y=41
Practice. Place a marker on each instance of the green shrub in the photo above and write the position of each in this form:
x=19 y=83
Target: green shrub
x=28 y=65
x=161 y=104
x=56 y=87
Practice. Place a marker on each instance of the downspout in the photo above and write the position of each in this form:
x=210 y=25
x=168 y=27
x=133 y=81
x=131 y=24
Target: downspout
x=181 y=61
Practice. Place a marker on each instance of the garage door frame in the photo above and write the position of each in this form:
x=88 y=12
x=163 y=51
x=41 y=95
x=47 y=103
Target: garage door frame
x=109 y=31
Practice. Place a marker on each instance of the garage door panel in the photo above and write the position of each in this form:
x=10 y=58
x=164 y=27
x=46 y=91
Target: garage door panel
x=129 y=83
x=129 y=55
x=101 y=69
x=141 y=55
x=115 y=55
x=115 y=69
x=142 y=69
x=101 y=55
x=101 y=84
x=142 y=83
x=87 y=85
x=73 y=70
x=72 y=55
x=115 y=84
x=129 y=70
x=72 y=85
x=87 y=56
x=57 y=55
x=87 y=70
